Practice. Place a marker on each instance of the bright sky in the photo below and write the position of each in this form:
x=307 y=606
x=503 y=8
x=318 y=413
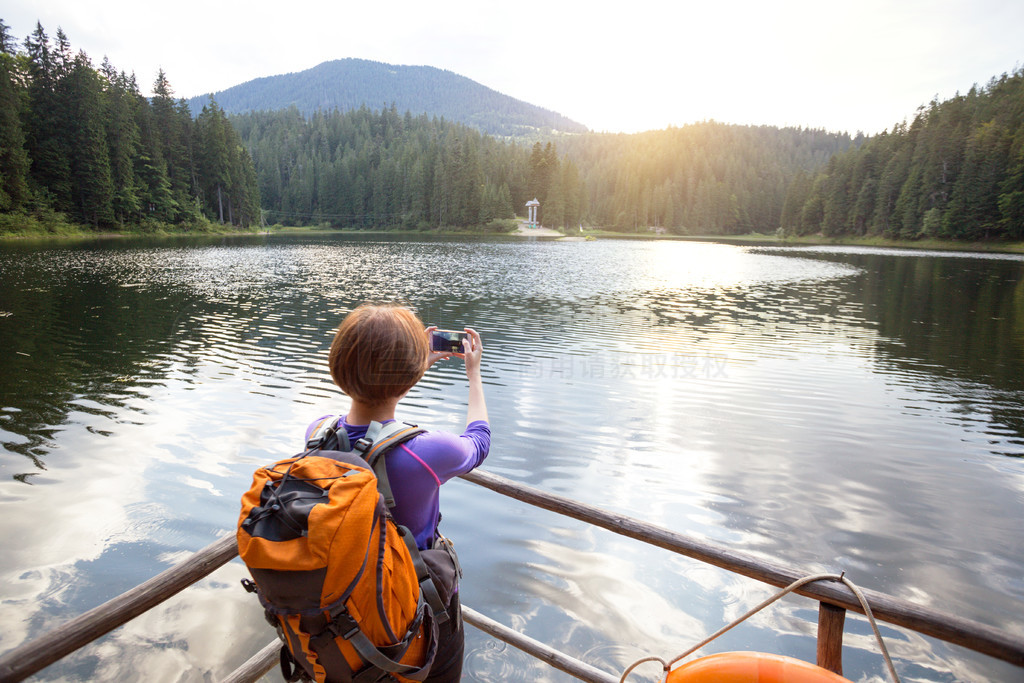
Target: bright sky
x=632 y=66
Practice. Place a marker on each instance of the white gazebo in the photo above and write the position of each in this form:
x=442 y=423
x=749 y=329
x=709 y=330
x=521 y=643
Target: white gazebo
x=531 y=211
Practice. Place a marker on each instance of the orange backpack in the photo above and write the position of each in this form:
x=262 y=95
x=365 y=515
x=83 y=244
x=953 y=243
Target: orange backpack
x=346 y=587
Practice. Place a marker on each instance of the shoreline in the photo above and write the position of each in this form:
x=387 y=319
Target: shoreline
x=758 y=239
x=750 y=239
x=523 y=231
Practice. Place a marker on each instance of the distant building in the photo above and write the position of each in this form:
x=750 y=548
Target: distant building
x=531 y=212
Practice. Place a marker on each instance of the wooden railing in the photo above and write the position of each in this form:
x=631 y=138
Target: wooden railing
x=834 y=599
x=942 y=625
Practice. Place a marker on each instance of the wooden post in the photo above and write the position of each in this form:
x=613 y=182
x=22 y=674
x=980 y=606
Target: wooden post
x=830 y=637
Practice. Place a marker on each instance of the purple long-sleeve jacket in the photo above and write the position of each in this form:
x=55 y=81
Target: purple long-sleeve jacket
x=417 y=468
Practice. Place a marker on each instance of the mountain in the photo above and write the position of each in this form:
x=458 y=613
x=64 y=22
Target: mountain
x=347 y=84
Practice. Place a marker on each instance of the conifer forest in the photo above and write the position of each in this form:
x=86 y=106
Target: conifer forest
x=85 y=144
x=956 y=171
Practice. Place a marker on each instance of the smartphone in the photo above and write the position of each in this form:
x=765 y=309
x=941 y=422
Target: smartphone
x=447 y=341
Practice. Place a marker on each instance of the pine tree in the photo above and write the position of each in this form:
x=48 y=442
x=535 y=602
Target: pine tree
x=246 y=190
x=14 y=161
x=863 y=187
x=45 y=116
x=572 y=191
x=812 y=213
x=836 y=201
x=440 y=210
x=893 y=176
x=91 y=186
x=540 y=174
x=505 y=207
x=150 y=168
x=8 y=45
x=123 y=145
x=974 y=203
x=173 y=126
x=63 y=56
x=417 y=192
x=553 y=209
x=214 y=161
x=1011 y=189
x=468 y=182
x=796 y=196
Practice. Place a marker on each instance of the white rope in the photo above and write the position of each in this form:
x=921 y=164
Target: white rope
x=625 y=674
x=874 y=626
x=667 y=666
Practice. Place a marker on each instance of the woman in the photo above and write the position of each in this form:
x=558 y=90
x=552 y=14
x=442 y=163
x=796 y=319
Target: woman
x=378 y=354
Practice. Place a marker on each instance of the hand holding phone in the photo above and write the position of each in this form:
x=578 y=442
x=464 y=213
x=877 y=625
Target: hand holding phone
x=468 y=346
x=447 y=341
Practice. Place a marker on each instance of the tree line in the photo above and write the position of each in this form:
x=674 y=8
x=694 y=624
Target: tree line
x=85 y=143
x=708 y=178
x=382 y=169
x=955 y=172
x=364 y=168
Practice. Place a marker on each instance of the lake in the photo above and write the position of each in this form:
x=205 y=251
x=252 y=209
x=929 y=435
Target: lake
x=834 y=409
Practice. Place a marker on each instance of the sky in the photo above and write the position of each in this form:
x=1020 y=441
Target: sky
x=626 y=67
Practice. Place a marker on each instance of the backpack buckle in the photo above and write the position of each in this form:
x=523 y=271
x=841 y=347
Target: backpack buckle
x=249 y=586
x=363 y=445
x=319 y=438
x=343 y=625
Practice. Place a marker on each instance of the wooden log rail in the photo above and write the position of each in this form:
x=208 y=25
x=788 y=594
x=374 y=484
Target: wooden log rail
x=942 y=625
x=834 y=599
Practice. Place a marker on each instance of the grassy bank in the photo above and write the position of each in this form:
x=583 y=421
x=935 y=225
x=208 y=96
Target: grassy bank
x=757 y=239
x=50 y=224
x=53 y=225
x=482 y=230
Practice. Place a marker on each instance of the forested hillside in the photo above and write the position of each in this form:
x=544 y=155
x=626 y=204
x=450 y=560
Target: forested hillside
x=380 y=169
x=384 y=169
x=957 y=171
x=348 y=84
x=707 y=178
x=86 y=144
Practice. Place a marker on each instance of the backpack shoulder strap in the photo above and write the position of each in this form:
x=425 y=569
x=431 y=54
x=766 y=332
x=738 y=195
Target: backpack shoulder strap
x=428 y=589
x=327 y=437
x=379 y=440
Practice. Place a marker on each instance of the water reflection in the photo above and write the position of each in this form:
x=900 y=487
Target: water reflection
x=832 y=410
x=960 y=314
x=203 y=633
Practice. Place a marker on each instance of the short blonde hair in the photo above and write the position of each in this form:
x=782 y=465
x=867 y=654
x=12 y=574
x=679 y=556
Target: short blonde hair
x=379 y=352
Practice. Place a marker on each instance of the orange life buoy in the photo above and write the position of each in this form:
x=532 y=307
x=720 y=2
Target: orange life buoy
x=751 y=667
